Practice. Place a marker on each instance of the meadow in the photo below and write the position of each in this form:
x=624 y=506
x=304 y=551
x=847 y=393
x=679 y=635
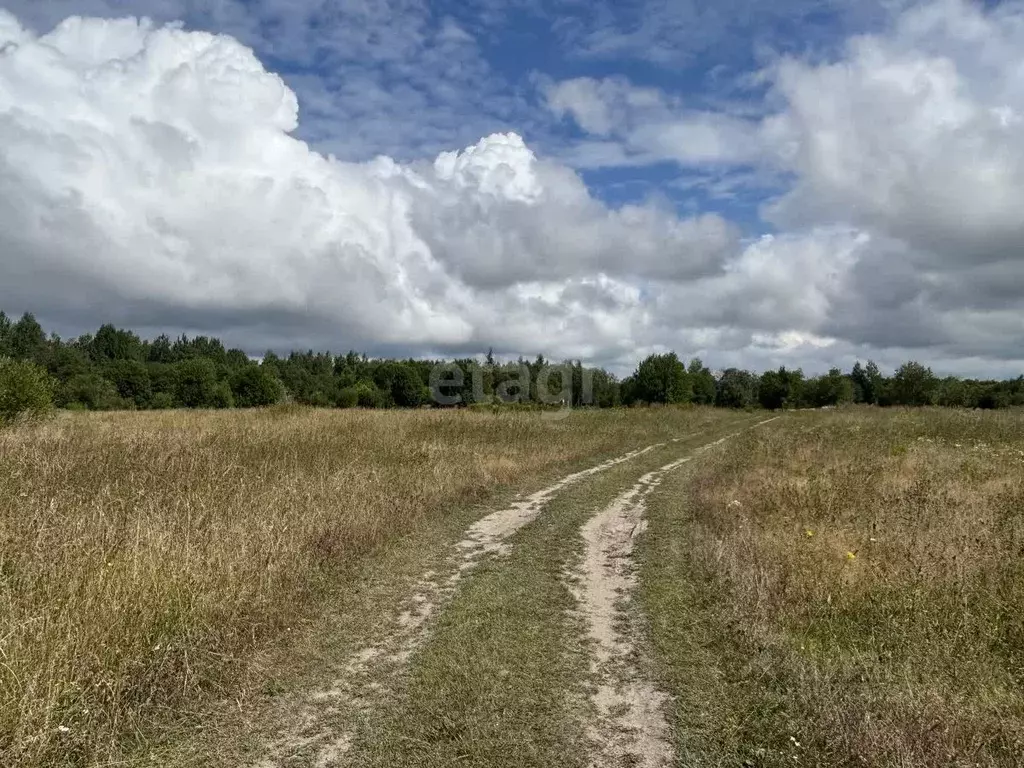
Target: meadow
x=838 y=588
x=145 y=556
x=846 y=589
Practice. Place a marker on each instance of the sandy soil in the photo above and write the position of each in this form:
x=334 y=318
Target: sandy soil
x=365 y=669
x=630 y=727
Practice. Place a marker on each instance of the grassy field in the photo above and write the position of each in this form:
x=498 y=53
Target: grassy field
x=145 y=556
x=830 y=589
x=845 y=589
x=503 y=680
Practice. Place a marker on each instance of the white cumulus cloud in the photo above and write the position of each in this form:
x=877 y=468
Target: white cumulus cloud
x=650 y=126
x=150 y=172
x=915 y=136
x=907 y=139
x=152 y=176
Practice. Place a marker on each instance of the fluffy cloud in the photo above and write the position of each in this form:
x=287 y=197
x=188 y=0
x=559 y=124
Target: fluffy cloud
x=152 y=176
x=150 y=171
x=915 y=136
x=402 y=75
x=649 y=126
x=908 y=140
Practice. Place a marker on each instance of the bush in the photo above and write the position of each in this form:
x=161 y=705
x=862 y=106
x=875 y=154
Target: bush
x=196 y=385
x=368 y=395
x=26 y=391
x=92 y=391
x=319 y=400
x=347 y=398
x=161 y=401
x=256 y=387
x=132 y=381
x=221 y=396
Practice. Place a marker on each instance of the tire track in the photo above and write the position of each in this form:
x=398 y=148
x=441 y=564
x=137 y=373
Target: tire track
x=630 y=726
x=360 y=684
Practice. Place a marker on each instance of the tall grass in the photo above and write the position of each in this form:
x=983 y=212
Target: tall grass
x=144 y=555
x=857 y=593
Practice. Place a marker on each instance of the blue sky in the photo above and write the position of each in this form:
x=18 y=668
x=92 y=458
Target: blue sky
x=409 y=79
x=805 y=182
x=702 y=55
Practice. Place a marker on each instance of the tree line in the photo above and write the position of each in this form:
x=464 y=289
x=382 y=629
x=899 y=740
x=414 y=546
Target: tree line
x=665 y=379
x=116 y=369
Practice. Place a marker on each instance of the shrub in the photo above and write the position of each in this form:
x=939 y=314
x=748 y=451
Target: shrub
x=347 y=398
x=196 y=384
x=26 y=390
x=319 y=400
x=162 y=401
x=132 y=381
x=368 y=395
x=255 y=387
x=221 y=396
x=92 y=391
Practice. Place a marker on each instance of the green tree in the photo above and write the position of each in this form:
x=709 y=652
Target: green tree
x=5 y=335
x=780 y=389
x=26 y=339
x=236 y=359
x=160 y=350
x=196 y=383
x=952 y=392
x=868 y=383
x=607 y=391
x=162 y=401
x=661 y=379
x=347 y=397
x=368 y=395
x=858 y=377
x=736 y=389
x=131 y=380
x=703 y=381
x=163 y=378
x=408 y=389
x=913 y=384
x=829 y=390
x=991 y=395
x=401 y=384
x=111 y=343
x=90 y=390
x=65 y=361
x=221 y=396
x=26 y=390
x=256 y=387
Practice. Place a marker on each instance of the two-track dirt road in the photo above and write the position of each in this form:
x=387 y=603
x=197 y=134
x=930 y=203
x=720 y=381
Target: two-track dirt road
x=519 y=647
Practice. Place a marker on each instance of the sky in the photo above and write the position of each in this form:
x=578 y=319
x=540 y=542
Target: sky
x=802 y=183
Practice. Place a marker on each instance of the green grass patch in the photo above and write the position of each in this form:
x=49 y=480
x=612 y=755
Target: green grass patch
x=843 y=589
x=503 y=680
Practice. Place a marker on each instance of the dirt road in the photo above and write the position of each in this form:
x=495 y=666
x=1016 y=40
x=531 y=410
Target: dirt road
x=518 y=645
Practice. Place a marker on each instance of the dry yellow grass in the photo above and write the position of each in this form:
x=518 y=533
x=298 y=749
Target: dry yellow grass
x=846 y=589
x=144 y=556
